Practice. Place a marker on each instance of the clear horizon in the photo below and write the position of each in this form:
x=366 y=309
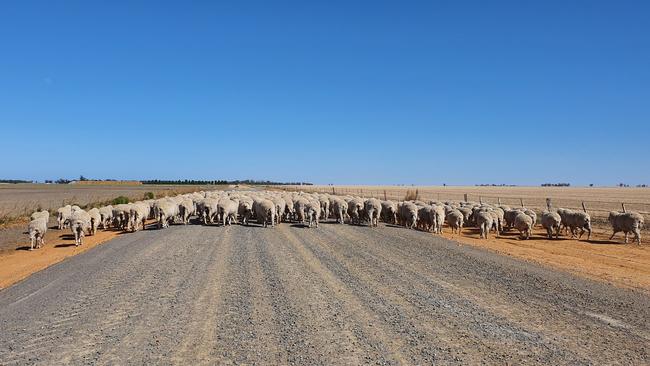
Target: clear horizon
x=368 y=93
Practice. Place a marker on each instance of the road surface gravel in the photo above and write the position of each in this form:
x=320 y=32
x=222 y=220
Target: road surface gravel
x=338 y=294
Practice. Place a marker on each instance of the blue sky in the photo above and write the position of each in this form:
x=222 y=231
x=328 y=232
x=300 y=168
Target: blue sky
x=347 y=92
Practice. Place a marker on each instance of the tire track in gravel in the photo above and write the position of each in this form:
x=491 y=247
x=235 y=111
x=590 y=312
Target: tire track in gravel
x=178 y=278
x=197 y=346
x=81 y=306
x=535 y=312
x=470 y=332
x=234 y=338
x=341 y=313
x=421 y=342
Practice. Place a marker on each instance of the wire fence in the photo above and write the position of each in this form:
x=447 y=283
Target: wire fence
x=597 y=209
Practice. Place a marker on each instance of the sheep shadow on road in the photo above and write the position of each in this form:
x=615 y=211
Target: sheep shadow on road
x=64 y=245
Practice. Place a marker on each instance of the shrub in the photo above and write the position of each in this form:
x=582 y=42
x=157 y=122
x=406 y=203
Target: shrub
x=149 y=196
x=120 y=200
x=411 y=195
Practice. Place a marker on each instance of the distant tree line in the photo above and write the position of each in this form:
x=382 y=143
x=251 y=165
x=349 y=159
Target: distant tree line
x=556 y=185
x=14 y=181
x=220 y=182
x=495 y=185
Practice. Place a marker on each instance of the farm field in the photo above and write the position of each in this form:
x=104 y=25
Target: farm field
x=339 y=294
x=23 y=199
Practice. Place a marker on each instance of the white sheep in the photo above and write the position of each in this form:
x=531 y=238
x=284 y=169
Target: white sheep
x=106 y=214
x=40 y=215
x=627 y=222
x=36 y=230
x=551 y=221
x=227 y=210
x=264 y=211
x=373 y=208
x=523 y=223
x=95 y=220
x=313 y=211
x=138 y=215
x=79 y=225
x=186 y=209
x=408 y=214
x=455 y=220
x=484 y=221
x=62 y=215
x=339 y=208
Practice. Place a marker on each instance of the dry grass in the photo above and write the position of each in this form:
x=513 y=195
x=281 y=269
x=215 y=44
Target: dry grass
x=18 y=201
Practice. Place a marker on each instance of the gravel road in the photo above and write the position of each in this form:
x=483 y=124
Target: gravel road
x=338 y=294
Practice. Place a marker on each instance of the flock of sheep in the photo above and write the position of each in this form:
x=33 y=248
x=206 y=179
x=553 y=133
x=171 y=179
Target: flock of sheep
x=272 y=207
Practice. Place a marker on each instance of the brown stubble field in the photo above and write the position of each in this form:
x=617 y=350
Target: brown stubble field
x=22 y=199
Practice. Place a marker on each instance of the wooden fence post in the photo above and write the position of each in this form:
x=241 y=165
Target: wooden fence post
x=521 y=201
x=584 y=208
x=548 y=204
x=623 y=205
x=465 y=196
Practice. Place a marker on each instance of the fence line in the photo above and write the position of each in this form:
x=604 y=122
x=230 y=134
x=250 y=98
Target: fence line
x=599 y=210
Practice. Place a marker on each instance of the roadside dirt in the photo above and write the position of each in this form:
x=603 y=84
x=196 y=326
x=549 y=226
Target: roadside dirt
x=626 y=265
x=17 y=261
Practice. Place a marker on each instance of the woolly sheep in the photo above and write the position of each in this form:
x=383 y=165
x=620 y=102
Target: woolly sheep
x=439 y=212
x=325 y=206
x=313 y=211
x=299 y=205
x=186 y=209
x=578 y=220
x=389 y=211
x=355 y=206
x=551 y=221
x=408 y=214
x=79 y=225
x=426 y=218
x=532 y=215
x=138 y=215
x=484 y=221
x=62 y=215
x=40 y=215
x=95 y=220
x=121 y=214
x=227 y=210
x=165 y=211
x=373 y=209
x=264 y=211
x=340 y=209
x=36 y=230
x=106 y=214
x=245 y=210
x=627 y=222
x=455 y=220
x=208 y=210
x=523 y=223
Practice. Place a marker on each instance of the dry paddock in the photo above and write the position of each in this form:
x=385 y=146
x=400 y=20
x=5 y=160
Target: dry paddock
x=338 y=294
